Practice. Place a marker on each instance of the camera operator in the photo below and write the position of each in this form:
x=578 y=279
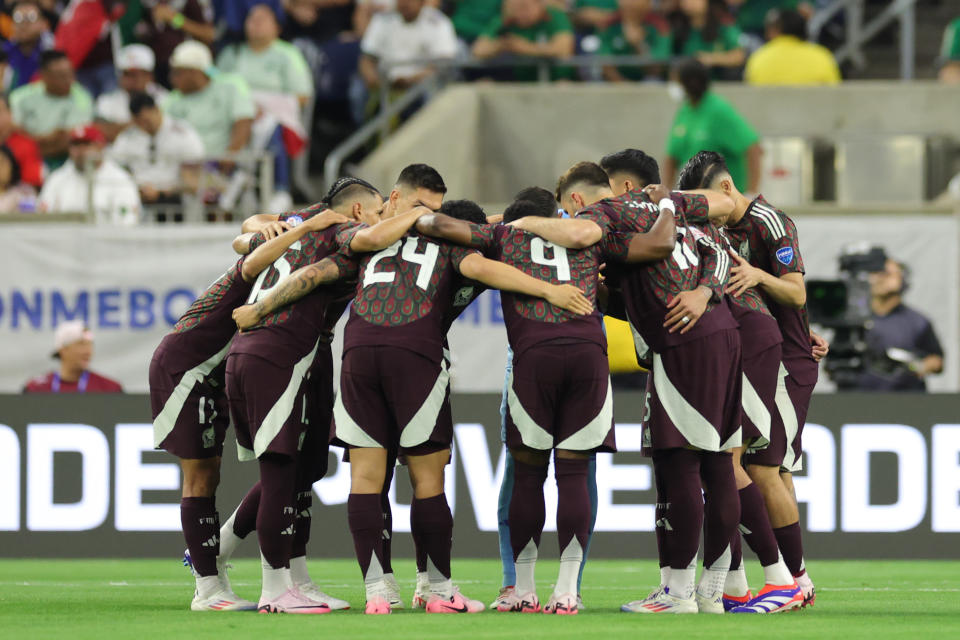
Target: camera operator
x=902 y=347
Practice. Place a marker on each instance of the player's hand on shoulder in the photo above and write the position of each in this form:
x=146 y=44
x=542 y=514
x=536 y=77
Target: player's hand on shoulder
x=246 y=316
x=272 y=229
x=743 y=276
x=656 y=192
x=567 y=296
x=327 y=218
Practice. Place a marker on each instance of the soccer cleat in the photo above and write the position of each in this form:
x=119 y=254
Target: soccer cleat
x=378 y=605
x=312 y=591
x=661 y=601
x=421 y=594
x=806 y=585
x=188 y=563
x=393 y=591
x=580 y=606
x=456 y=603
x=528 y=603
x=507 y=597
x=773 y=599
x=729 y=602
x=221 y=600
x=292 y=601
x=706 y=604
x=562 y=605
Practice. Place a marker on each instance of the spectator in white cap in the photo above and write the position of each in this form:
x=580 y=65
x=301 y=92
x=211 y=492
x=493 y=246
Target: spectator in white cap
x=164 y=154
x=135 y=63
x=218 y=105
x=73 y=347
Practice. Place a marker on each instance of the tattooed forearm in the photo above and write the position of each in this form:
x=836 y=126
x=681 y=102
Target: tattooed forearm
x=299 y=284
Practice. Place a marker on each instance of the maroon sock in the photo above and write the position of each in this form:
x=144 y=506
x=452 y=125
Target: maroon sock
x=277 y=513
x=756 y=525
x=573 y=506
x=201 y=529
x=682 y=505
x=302 y=523
x=658 y=515
x=246 y=519
x=722 y=504
x=790 y=541
x=527 y=511
x=365 y=516
x=387 y=530
x=430 y=518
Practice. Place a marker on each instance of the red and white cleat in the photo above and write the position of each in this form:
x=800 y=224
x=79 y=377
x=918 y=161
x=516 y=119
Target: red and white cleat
x=562 y=605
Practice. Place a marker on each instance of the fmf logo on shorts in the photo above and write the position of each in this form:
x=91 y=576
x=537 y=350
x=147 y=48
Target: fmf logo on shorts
x=835 y=486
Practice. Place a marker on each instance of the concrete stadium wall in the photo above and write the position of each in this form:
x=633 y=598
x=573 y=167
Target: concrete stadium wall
x=490 y=140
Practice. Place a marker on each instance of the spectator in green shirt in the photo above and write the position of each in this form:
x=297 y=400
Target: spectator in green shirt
x=48 y=110
x=703 y=29
x=639 y=32
x=594 y=15
x=950 y=54
x=267 y=63
x=707 y=122
x=528 y=28
x=471 y=17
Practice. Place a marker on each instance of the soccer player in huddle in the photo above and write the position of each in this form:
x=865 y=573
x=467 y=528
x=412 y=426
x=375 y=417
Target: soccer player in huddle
x=768 y=259
x=692 y=416
x=559 y=397
x=190 y=414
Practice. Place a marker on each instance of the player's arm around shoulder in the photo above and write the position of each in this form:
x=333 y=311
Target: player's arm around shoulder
x=571 y=233
x=385 y=233
x=265 y=254
x=497 y=275
x=439 y=225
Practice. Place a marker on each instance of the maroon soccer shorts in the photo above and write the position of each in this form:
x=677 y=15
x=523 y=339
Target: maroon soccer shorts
x=786 y=433
x=760 y=374
x=274 y=408
x=559 y=396
x=190 y=413
x=392 y=397
x=694 y=395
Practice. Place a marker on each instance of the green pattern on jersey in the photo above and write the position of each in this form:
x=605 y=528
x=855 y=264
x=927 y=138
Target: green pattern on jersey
x=209 y=299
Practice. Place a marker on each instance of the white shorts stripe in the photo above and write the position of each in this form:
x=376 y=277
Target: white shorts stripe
x=696 y=429
x=532 y=434
x=758 y=413
x=347 y=428
x=592 y=434
x=278 y=414
x=424 y=421
x=790 y=423
x=167 y=418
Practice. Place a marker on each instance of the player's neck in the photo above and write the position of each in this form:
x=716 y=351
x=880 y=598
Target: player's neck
x=883 y=305
x=741 y=204
x=70 y=373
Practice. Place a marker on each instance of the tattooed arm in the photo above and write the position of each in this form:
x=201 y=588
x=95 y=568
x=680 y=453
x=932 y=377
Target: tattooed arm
x=300 y=283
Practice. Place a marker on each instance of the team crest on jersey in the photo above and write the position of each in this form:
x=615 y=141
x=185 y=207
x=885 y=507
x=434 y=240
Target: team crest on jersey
x=785 y=255
x=745 y=250
x=463 y=297
x=293 y=221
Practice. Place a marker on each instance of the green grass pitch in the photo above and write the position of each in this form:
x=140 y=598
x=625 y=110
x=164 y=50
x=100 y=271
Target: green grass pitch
x=150 y=599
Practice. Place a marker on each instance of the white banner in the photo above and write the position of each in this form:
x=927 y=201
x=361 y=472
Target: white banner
x=131 y=285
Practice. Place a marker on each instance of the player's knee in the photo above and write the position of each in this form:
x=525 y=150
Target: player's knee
x=763 y=475
x=566 y=454
x=200 y=477
x=531 y=457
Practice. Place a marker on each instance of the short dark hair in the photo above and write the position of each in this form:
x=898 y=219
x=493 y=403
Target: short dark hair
x=634 y=162
x=788 y=22
x=352 y=193
x=540 y=197
x=466 y=210
x=523 y=208
x=50 y=56
x=701 y=170
x=140 y=101
x=422 y=176
x=585 y=173
x=695 y=78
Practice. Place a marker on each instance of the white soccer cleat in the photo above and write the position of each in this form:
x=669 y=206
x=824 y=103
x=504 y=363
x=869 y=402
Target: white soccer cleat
x=421 y=595
x=292 y=601
x=806 y=586
x=392 y=593
x=508 y=597
x=580 y=606
x=563 y=605
x=221 y=600
x=312 y=591
x=710 y=604
x=661 y=601
x=527 y=603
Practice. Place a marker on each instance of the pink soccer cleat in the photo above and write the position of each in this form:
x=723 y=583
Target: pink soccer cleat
x=562 y=605
x=456 y=603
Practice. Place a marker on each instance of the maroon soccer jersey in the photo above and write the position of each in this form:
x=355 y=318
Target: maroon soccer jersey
x=532 y=320
x=768 y=239
x=404 y=293
x=648 y=288
x=290 y=333
x=207 y=326
x=89 y=382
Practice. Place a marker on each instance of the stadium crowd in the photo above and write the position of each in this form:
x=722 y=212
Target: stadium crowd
x=142 y=85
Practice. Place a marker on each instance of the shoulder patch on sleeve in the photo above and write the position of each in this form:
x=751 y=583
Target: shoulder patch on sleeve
x=785 y=256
